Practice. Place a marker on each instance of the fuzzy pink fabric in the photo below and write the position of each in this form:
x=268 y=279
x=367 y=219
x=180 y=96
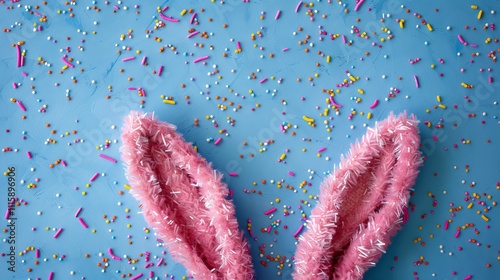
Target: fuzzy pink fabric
x=183 y=200
x=361 y=203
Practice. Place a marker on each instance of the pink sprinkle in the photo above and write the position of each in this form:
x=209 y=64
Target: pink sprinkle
x=270 y=211
x=143 y=62
x=435 y=138
x=58 y=232
x=18 y=50
x=110 y=251
x=7 y=213
x=269 y=229
x=297 y=8
x=24 y=74
x=238 y=45
x=128 y=58
x=14 y=85
x=298 y=231
x=461 y=39
x=21 y=106
x=141 y=90
x=164 y=8
x=490 y=79
x=263 y=80
x=344 y=39
x=136 y=277
x=321 y=149
x=218 y=141
x=159 y=262
x=416 y=81
x=78 y=212
x=108 y=158
x=132 y=88
x=334 y=103
x=278 y=13
x=358 y=4
x=233 y=174
x=375 y=103
x=168 y=18
x=94 y=177
x=83 y=223
x=63 y=163
x=28 y=154
x=192 y=18
x=467 y=277
x=37 y=253
x=192 y=34
x=285 y=49
x=51 y=275
x=446 y=224
x=291 y=173
x=201 y=59
x=160 y=70
x=457 y=234
x=67 y=62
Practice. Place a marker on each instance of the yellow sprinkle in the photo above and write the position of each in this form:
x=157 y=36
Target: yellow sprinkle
x=195 y=148
x=351 y=77
x=369 y=115
x=442 y=106
x=402 y=23
x=485 y=218
x=480 y=14
x=474 y=7
x=183 y=12
x=328 y=58
x=307 y=119
x=470 y=205
x=438 y=98
x=429 y=124
x=283 y=156
x=429 y=26
x=168 y=101
x=126 y=186
x=361 y=91
x=325 y=113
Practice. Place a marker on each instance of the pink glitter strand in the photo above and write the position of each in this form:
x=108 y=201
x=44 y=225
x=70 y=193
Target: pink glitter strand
x=389 y=154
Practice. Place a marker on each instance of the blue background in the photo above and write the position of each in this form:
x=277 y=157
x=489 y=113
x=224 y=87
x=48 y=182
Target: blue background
x=441 y=186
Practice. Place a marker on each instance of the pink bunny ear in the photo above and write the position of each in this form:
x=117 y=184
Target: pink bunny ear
x=183 y=200
x=361 y=203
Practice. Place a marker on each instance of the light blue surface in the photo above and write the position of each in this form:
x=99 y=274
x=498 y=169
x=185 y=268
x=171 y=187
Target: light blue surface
x=96 y=115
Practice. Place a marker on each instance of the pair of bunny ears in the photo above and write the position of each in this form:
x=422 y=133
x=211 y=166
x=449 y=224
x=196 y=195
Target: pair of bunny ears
x=361 y=204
